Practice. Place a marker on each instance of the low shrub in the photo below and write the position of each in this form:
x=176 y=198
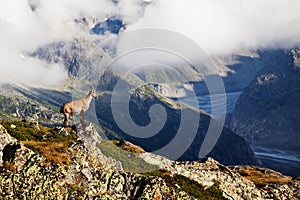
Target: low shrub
x=54 y=147
x=261 y=178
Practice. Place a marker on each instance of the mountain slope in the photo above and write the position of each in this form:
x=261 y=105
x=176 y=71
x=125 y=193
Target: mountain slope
x=230 y=148
x=237 y=71
x=267 y=112
x=271 y=105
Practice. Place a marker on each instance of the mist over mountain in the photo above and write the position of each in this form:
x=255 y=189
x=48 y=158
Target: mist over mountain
x=27 y=25
x=218 y=27
x=223 y=27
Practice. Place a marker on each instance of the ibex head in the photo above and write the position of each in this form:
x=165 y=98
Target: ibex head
x=93 y=92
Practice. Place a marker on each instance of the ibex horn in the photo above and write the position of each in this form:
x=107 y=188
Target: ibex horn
x=91 y=86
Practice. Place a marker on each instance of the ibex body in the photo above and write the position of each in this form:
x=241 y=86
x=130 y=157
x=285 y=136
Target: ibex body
x=78 y=106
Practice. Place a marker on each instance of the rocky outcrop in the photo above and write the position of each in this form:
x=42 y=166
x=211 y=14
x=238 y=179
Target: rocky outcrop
x=5 y=139
x=91 y=174
x=234 y=181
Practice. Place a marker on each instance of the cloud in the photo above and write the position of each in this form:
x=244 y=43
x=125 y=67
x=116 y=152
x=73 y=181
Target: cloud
x=218 y=26
x=29 y=24
x=30 y=71
x=223 y=27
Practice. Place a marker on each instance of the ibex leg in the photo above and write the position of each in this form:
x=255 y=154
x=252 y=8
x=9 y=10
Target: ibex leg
x=82 y=117
x=66 y=120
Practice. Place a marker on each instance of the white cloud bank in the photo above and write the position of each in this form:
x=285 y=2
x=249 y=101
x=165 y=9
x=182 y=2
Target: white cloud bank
x=23 y=30
x=226 y=26
x=218 y=26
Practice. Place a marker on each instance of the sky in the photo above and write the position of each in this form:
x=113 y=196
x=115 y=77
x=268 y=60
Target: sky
x=220 y=27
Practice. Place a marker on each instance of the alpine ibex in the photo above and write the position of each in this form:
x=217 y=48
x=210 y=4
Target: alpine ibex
x=78 y=106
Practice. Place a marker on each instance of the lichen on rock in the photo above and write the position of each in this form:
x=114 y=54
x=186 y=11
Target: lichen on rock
x=90 y=174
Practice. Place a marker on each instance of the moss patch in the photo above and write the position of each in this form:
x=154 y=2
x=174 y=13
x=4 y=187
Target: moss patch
x=182 y=183
x=126 y=146
x=130 y=161
x=75 y=191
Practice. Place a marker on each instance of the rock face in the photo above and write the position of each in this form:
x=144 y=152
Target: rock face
x=268 y=111
x=81 y=58
x=92 y=175
x=111 y=25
